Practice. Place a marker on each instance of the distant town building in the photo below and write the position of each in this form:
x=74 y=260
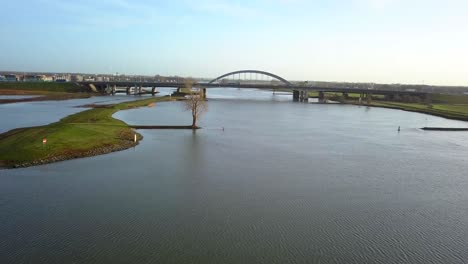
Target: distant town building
x=2 y=78
x=62 y=78
x=32 y=78
x=45 y=78
x=77 y=78
x=11 y=78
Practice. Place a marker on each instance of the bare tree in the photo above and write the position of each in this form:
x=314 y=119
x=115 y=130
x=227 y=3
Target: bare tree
x=194 y=102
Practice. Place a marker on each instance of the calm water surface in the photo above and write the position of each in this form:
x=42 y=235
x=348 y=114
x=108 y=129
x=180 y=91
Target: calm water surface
x=39 y=113
x=283 y=182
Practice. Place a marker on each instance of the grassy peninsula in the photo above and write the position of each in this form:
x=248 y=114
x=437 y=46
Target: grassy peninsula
x=88 y=133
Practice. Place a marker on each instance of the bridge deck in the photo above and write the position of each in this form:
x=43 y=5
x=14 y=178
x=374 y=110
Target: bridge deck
x=256 y=86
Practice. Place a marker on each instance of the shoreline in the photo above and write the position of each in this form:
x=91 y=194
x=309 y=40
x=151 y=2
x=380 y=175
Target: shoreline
x=90 y=153
x=99 y=134
x=95 y=132
x=458 y=117
x=164 y=127
x=37 y=96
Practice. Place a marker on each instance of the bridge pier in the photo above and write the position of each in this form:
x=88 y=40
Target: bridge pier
x=300 y=96
x=203 y=93
x=305 y=96
x=128 y=90
x=321 y=97
x=295 y=95
x=369 y=98
x=114 y=89
x=153 y=91
x=345 y=96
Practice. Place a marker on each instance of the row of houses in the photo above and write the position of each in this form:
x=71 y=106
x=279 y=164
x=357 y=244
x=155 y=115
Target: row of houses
x=57 y=77
x=34 y=78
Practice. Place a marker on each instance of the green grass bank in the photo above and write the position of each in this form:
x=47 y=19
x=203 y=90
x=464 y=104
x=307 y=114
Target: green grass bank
x=447 y=106
x=456 y=112
x=88 y=133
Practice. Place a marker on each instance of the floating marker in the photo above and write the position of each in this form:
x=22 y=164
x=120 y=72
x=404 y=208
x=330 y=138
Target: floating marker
x=135 y=138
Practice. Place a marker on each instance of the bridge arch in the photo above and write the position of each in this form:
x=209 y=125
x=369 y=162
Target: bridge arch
x=274 y=76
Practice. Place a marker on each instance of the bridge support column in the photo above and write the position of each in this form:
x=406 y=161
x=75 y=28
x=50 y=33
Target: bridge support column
x=345 y=96
x=368 y=98
x=305 y=96
x=295 y=95
x=153 y=91
x=114 y=88
x=203 y=93
x=128 y=90
x=321 y=97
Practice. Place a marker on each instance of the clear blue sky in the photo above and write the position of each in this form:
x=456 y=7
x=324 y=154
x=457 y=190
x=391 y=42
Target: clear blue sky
x=393 y=41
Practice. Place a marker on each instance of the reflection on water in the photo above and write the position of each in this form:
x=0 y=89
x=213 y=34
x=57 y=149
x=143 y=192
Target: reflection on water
x=284 y=182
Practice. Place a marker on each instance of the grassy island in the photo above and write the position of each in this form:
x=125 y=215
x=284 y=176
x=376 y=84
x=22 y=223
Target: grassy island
x=88 y=133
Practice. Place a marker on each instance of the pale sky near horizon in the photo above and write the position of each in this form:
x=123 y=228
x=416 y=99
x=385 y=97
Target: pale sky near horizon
x=384 y=41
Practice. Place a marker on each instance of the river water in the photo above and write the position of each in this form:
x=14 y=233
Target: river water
x=265 y=181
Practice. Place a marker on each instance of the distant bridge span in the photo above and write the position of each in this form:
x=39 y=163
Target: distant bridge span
x=300 y=91
x=274 y=76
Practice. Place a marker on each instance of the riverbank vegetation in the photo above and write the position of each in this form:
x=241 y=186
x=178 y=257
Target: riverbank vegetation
x=63 y=87
x=88 y=133
x=448 y=106
x=45 y=91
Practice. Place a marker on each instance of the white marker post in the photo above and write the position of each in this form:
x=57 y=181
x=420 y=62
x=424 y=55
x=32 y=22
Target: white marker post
x=135 y=138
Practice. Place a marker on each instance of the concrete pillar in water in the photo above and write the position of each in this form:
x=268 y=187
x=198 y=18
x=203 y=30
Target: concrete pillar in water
x=369 y=98
x=295 y=95
x=321 y=97
x=128 y=90
x=305 y=96
x=114 y=88
x=153 y=90
x=203 y=91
